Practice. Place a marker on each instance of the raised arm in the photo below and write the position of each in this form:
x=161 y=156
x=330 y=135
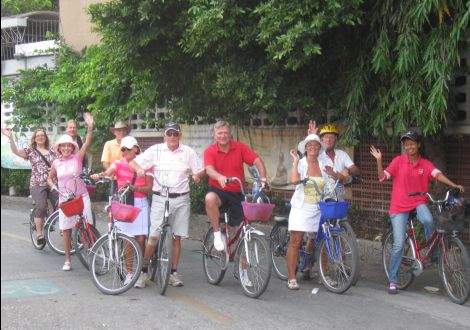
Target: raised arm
x=89 y=134
x=312 y=127
x=378 y=156
x=19 y=152
x=294 y=173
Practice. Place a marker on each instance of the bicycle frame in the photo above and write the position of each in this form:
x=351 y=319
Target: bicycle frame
x=324 y=229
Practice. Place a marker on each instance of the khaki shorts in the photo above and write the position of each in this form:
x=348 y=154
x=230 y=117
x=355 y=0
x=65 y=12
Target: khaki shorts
x=180 y=210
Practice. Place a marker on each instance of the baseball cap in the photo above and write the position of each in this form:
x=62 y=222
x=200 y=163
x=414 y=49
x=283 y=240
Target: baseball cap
x=129 y=142
x=172 y=126
x=412 y=135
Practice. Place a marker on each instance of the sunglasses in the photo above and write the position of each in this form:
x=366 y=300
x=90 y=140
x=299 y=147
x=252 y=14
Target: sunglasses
x=125 y=149
x=174 y=133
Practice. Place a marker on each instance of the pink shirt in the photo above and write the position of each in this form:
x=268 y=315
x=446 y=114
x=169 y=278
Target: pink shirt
x=409 y=178
x=125 y=173
x=66 y=168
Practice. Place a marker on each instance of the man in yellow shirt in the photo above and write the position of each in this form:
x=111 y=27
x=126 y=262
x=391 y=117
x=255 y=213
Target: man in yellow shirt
x=112 y=148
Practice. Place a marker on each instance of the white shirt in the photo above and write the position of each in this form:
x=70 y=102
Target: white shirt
x=341 y=162
x=170 y=167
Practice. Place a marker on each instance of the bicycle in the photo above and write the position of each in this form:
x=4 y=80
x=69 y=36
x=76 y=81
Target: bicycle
x=161 y=261
x=116 y=259
x=84 y=234
x=251 y=251
x=453 y=259
x=279 y=242
x=53 y=234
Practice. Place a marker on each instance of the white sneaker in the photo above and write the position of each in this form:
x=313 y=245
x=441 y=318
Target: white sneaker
x=128 y=279
x=141 y=281
x=245 y=280
x=218 y=243
x=175 y=280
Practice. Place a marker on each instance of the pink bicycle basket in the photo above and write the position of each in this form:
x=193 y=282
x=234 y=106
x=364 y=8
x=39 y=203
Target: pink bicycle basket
x=257 y=212
x=72 y=207
x=123 y=212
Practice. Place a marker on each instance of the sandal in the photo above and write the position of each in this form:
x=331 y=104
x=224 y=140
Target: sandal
x=293 y=285
x=67 y=266
x=40 y=240
x=392 y=289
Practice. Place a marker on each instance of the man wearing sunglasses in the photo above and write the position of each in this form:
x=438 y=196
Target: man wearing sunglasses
x=171 y=161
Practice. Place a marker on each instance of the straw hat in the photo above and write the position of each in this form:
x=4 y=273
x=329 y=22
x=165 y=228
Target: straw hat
x=120 y=124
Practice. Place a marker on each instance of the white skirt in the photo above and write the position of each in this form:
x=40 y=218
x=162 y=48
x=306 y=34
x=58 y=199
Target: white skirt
x=140 y=226
x=69 y=222
x=305 y=219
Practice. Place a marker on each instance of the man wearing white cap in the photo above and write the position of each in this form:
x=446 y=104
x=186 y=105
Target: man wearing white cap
x=112 y=148
x=171 y=162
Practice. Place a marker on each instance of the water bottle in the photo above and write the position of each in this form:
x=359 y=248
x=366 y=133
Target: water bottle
x=255 y=191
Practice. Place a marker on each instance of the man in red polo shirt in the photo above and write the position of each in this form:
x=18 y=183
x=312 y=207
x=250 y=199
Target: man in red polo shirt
x=222 y=160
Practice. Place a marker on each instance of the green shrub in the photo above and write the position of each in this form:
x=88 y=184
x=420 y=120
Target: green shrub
x=198 y=193
x=19 y=179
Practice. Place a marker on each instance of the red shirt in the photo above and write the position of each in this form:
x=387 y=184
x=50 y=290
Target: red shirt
x=229 y=163
x=409 y=178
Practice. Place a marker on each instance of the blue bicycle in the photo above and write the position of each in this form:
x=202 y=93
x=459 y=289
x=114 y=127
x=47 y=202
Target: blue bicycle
x=335 y=251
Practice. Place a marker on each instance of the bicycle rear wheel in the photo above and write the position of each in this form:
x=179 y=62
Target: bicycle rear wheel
x=54 y=236
x=279 y=241
x=337 y=267
x=83 y=242
x=33 y=231
x=115 y=265
x=254 y=265
x=454 y=268
x=164 y=259
x=214 y=261
x=350 y=233
x=405 y=272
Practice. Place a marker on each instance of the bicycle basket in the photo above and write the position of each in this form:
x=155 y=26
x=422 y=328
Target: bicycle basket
x=450 y=219
x=257 y=211
x=334 y=210
x=123 y=212
x=72 y=207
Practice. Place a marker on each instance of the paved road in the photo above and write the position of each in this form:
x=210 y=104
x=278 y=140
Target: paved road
x=37 y=294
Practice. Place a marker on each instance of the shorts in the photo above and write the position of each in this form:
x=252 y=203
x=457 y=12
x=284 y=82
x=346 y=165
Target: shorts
x=231 y=201
x=180 y=210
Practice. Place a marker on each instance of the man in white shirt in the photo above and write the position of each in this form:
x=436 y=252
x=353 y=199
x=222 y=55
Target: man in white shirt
x=171 y=162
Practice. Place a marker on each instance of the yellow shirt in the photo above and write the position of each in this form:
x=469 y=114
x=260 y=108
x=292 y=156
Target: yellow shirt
x=111 y=152
x=311 y=195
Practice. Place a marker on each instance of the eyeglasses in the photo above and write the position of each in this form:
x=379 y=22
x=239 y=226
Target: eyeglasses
x=310 y=146
x=174 y=133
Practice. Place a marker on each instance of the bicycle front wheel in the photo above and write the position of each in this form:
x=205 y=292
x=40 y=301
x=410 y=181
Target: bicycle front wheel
x=83 y=242
x=405 y=274
x=54 y=236
x=115 y=264
x=254 y=265
x=337 y=262
x=33 y=231
x=454 y=268
x=164 y=259
x=214 y=261
x=279 y=242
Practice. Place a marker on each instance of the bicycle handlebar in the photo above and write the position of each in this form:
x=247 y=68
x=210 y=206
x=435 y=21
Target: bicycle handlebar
x=438 y=201
x=165 y=186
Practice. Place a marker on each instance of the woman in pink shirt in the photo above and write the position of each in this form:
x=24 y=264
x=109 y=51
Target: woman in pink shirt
x=411 y=173
x=64 y=169
x=139 y=227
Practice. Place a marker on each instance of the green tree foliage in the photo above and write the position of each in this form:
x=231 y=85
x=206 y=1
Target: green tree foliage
x=15 y=7
x=373 y=63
